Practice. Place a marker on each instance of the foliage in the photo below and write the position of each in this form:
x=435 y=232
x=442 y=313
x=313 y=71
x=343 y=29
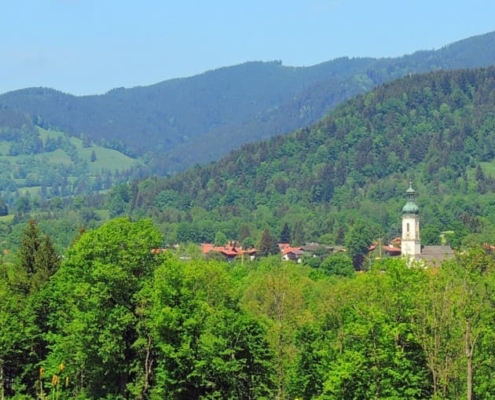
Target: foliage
x=268 y=244
x=358 y=241
x=339 y=264
x=119 y=320
x=100 y=329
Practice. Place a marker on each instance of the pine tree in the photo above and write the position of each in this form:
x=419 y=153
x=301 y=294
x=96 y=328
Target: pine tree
x=37 y=258
x=29 y=247
x=47 y=262
x=285 y=236
x=268 y=244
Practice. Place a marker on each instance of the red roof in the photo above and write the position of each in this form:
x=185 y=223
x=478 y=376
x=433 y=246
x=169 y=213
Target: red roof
x=287 y=250
x=230 y=251
x=206 y=247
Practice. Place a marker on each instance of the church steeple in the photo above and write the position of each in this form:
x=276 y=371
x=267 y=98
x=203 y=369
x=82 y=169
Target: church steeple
x=410 y=207
x=411 y=243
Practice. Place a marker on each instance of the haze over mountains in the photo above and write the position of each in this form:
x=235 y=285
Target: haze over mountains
x=181 y=122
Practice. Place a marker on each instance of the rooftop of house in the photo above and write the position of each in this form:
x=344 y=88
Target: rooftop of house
x=228 y=250
x=436 y=254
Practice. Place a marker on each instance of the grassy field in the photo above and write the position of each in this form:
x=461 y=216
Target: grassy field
x=488 y=168
x=107 y=159
x=33 y=167
x=6 y=218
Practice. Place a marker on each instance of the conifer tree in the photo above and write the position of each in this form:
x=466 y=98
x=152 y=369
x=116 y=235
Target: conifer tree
x=47 y=262
x=37 y=258
x=29 y=247
x=285 y=236
x=268 y=244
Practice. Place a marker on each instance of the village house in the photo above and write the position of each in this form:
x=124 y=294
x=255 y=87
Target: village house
x=229 y=251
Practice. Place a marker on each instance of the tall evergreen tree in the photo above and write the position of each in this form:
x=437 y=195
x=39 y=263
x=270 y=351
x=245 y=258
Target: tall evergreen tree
x=268 y=244
x=27 y=253
x=37 y=258
x=285 y=236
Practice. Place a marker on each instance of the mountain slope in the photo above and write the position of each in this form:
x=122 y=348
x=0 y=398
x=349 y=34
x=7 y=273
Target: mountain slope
x=437 y=129
x=198 y=119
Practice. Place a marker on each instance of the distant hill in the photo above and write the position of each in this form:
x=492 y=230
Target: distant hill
x=436 y=129
x=186 y=121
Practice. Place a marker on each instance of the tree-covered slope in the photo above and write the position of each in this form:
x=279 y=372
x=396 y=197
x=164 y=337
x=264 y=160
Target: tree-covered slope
x=198 y=119
x=436 y=129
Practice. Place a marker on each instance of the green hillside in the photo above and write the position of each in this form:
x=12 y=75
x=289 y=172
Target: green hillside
x=47 y=163
x=437 y=130
x=198 y=119
x=353 y=167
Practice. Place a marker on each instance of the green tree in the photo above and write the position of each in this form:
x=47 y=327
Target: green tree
x=298 y=234
x=37 y=258
x=473 y=276
x=430 y=235
x=207 y=347
x=268 y=244
x=277 y=296
x=372 y=351
x=23 y=205
x=357 y=241
x=339 y=264
x=220 y=239
x=248 y=242
x=18 y=337
x=98 y=303
x=244 y=232
x=285 y=236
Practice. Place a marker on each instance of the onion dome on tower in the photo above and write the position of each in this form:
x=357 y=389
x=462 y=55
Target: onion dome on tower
x=410 y=207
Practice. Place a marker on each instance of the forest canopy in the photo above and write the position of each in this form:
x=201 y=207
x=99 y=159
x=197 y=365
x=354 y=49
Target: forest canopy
x=114 y=320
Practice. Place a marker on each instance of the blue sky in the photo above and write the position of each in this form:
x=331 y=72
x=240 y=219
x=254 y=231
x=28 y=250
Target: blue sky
x=91 y=46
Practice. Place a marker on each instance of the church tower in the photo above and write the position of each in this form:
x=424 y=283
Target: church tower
x=411 y=243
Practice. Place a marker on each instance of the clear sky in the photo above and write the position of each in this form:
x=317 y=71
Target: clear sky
x=91 y=46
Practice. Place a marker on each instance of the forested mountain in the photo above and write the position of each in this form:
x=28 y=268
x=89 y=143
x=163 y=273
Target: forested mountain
x=197 y=119
x=113 y=318
x=436 y=129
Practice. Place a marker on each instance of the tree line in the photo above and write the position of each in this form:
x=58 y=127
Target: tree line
x=112 y=319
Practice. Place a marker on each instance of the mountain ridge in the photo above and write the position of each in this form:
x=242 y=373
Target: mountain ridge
x=185 y=121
